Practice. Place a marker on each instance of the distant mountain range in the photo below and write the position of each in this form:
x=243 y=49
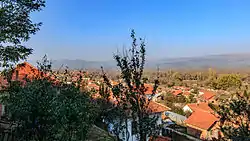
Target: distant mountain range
x=228 y=61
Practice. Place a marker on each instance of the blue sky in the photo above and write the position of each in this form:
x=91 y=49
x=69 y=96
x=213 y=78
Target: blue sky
x=94 y=29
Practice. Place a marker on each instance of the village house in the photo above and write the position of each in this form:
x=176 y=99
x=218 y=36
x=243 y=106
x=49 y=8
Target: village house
x=180 y=90
x=25 y=70
x=21 y=72
x=155 y=109
x=207 y=95
x=177 y=92
x=197 y=106
x=149 y=92
x=203 y=122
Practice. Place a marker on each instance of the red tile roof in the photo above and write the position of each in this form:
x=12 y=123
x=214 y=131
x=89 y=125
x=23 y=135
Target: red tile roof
x=186 y=93
x=25 y=70
x=155 y=107
x=149 y=89
x=200 y=106
x=201 y=120
x=207 y=94
x=93 y=86
x=114 y=82
x=177 y=92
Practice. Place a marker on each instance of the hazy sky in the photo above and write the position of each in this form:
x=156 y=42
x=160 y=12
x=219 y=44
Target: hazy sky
x=94 y=29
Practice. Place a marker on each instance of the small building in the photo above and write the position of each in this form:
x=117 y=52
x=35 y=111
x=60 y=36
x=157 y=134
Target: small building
x=203 y=122
x=203 y=125
x=177 y=92
x=197 y=106
x=155 y=110
x=149 y=92
x=206 y=95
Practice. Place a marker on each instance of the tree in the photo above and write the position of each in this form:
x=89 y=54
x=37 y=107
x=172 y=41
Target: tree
x=131 y=102
x=16 y=28
x=229 y=81
x=235 y=117
x=191 y=98
x=43 y=110
x=212 y=78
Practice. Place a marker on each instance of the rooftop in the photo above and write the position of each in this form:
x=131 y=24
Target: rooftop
x=155 y=107
x=201 y=120
x=203 y=106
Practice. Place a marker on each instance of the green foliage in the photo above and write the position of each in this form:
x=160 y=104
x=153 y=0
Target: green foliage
x=170 y=100
x=229 y=81
x=131 y=100
x=42 y=110
x=177 y=76
x=235 y=117
x=195 y=90
x=191 y=98
x=16 y=28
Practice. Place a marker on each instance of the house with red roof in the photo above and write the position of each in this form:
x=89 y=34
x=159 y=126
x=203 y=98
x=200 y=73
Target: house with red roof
x=181 y=90
x=186 y=93
x=22 y=71
x=25 y=70
x=149 y=92
x=197 y=106
x=155 y=110
x=92 y=86
x=203 y=125
x=203 y=122
x=177 y=92
x=206 y=95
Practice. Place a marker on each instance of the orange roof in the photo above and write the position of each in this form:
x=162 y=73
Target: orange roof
x=114 y=82
x=155 y=107
x=160 y=138
x=93 y=85
x=177 y=92
x=200 y=106
x=201 y=120
x=25 y=69
x=186 y=93
x=207 y=94
x=149 y=89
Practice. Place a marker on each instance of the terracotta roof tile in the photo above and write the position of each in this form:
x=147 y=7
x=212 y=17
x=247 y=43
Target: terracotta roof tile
x=207 y=94
x=201 y=120
x=177 y=92
x=25 y=70
x=149 y=89
x=114 y=82
x=187 y=93
x=200 y=106
x=155 y=107
x=94 y=86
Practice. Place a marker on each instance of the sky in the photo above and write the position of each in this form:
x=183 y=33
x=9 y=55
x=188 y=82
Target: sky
x=95 y=29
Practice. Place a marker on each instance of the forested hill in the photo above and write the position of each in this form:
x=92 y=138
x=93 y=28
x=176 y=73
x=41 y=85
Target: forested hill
x=228 y=61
